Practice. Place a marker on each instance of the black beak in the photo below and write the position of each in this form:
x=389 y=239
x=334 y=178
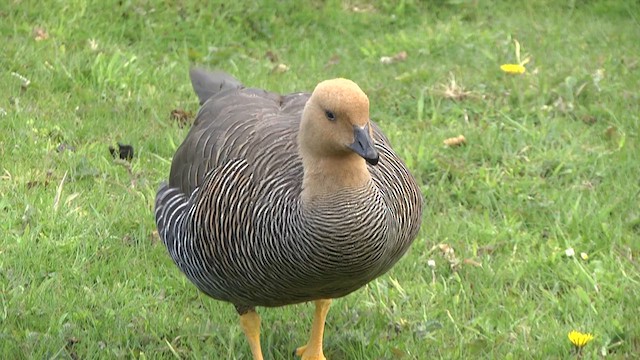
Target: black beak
x=363 y=144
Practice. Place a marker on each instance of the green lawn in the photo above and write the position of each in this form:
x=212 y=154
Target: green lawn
x=551 y=163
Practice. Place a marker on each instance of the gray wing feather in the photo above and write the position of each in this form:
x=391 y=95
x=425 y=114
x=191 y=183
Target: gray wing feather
x=236 y=123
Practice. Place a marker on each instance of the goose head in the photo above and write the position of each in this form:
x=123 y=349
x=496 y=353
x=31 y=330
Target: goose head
x=335 y=123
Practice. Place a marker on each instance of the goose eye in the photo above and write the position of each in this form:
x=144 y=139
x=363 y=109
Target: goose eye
x=330 y=115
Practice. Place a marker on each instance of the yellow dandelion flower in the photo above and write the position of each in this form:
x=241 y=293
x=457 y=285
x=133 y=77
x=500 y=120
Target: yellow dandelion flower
x=579 y=339
x=515 y=69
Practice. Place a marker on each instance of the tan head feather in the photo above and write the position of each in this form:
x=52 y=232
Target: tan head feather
x=347 y=103
x=335 y=109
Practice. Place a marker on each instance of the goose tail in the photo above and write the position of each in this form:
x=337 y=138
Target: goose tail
x=208 y=83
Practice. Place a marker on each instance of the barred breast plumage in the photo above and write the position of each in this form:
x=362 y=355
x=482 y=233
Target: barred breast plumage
x=270 y=201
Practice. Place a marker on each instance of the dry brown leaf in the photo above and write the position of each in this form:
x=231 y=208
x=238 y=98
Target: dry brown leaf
x=398 y=353
x=589 y=119
x=271 y=56
x=127 y=240
x=181 y=116
x=154 y=236
x=401 y=56
x=455 y=141
x=93 y=44
x=25 y=82
x=450 y=255
x=280 y=68
x=39 y=33
x=472 y=262
x=610 y=132
x=362 y=8
x=445 y=248
x=487 y=249
x=386 y=60
x=453 y=90
x=334 y=60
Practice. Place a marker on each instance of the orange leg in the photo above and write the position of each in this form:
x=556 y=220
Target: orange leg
x=250 y=323
x=313 y=349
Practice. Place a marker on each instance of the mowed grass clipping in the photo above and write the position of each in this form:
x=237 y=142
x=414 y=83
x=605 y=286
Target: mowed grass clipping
x=532 y=225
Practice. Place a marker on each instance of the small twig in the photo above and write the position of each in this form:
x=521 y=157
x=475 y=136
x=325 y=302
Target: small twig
x=25 y=82
x=171 y=348
x=56 y=200
x=454 y=323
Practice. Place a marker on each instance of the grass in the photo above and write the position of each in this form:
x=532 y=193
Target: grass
x=550 y=164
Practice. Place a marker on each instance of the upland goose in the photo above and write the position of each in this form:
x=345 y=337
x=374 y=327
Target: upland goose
x=282 y=199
